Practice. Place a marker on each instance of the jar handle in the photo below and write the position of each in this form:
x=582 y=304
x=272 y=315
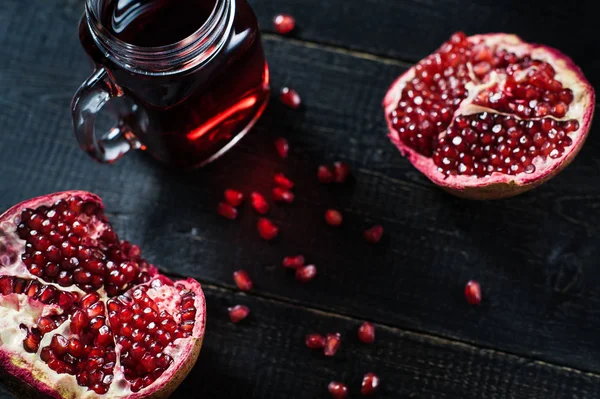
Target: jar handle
x=93 y=94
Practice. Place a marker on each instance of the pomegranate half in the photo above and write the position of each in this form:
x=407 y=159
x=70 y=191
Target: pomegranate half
x=82 y=314
x=490 y=116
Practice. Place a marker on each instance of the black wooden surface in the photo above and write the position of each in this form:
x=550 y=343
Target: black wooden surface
x=535 y=335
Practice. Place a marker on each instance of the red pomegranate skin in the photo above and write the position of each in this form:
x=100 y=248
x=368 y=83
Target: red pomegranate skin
x=499 y=185
x=25 y=380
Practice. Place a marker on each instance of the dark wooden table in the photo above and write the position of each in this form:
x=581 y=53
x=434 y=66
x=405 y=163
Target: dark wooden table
x=534 y=336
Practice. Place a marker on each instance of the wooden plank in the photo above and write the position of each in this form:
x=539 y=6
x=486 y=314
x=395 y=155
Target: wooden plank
x=264 y=357
x=411 y=29
x=535 y=255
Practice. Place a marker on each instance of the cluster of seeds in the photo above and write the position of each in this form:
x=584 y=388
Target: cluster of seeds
x=143 y=332
x=484 y=143
x=59 y=248
x=487 y=142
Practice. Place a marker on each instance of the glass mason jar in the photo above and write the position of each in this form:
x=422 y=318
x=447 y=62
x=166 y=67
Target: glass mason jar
x=186 y=102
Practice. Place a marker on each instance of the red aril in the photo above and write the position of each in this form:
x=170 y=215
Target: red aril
x=282 y=146
x=315 y=341
x=341 y=171
x=293 y=262
x=332 y=344
x=242 y=280
x=267 y=229
x=366 y=333
x=373 y=234
x=370 y=384
x=325 y=174
x=234 y=197
x=473 y=292
x=284 y=23
x=290 y=98
x=490 y=116
x=337 y=390
x=305 y=274
x=227 y=211
x=282 y=181
x=259 y=203
x=283 y=195
x=333 y=217
x=238 y=313
x=107 y=306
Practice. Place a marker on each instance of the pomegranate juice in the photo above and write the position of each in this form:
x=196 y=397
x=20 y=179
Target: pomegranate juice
x=189 y=116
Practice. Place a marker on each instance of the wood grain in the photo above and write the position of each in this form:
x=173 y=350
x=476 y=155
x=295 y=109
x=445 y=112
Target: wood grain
x=264 y=357
x=535 y=255
x=411 y=29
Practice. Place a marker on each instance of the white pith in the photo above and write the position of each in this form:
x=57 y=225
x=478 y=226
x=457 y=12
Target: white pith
x=19 y=308
x=566 y=73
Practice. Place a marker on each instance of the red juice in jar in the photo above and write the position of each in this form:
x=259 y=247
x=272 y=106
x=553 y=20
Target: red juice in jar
x=188 y=78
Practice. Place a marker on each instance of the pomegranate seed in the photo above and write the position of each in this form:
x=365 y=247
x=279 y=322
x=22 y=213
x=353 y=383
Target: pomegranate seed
x=267 y=229
x=325 y=174
x=290 y=98
x=227 y=211
x=282 y=181
x=332 y=344
x=259 y=203
x=284 y=23
x=366 y=333
x=373 y=234
x=315 y=341
x=238 y=313
x=370 y=384
x=282 y=195
x=242 y=280
x=234 y=197
x=337 y=390
x=306 y=273
x=333 y=217
x=282 y=146
x=341 y=172
x=293 y=262
x=473 y=292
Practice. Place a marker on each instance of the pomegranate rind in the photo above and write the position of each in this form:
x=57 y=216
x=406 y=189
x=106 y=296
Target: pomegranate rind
x=27 y=376
x=499 y=185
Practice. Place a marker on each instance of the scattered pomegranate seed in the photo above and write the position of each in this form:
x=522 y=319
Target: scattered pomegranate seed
x=283 y=181
x=242 y=280
x=238 y=313
x=284 y=23
x=341 y=171
x=227 y=211
x=325 y=174
x=306 y=273
x=267 y=229
x=290 y=98
x=332 y=344
x=259 y=203
x=282 y=146
x=293 y=262
x=234 y=197
x=282 y=195
x=315 y=341
x=370 y=384
x=337 y=390
x=366 y=333
x=473 y=292
x=373 y=234
x=333 y=217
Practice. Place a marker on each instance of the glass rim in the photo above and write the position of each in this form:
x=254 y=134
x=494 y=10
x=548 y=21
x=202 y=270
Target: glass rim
x=166 y=59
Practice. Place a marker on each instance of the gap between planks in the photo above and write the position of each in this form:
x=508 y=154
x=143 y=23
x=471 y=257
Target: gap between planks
x=345 y=51
x=412 y=334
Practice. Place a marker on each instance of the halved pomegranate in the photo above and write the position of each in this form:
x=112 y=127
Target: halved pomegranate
x=490 y=116
x=82 y=314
